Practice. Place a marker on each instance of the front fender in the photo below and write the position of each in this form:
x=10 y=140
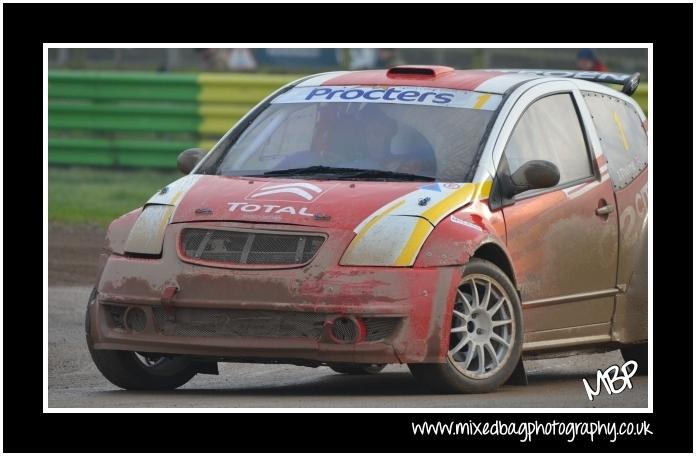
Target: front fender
x=457 y=237
x=118 y=231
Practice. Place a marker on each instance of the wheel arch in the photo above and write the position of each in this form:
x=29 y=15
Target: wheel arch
x=496 y=254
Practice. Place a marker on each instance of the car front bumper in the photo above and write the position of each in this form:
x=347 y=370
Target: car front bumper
x=202 y=317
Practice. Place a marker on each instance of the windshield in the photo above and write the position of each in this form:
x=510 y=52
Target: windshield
x=314 y=131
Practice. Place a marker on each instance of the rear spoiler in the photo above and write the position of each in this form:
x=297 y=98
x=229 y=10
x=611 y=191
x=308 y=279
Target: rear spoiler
x=628 y=82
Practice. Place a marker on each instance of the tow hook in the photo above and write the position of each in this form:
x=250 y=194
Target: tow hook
x=167 y=296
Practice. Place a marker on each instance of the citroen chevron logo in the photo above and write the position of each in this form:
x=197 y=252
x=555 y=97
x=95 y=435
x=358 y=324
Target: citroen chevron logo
x=302 y=189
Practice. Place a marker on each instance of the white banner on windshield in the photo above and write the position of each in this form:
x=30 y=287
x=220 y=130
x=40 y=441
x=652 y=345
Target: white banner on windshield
x=421 y=96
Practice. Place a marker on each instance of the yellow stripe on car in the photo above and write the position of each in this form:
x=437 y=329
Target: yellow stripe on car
x=147 y=234
x=445 y=206
x=418 y=236
x=379 y=229
x=376 y=219
x=434 y=214
x=619 y=125
x=175 y=199
x=481 y=101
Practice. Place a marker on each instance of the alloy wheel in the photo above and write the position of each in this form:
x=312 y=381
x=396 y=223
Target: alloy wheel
x=483 y=327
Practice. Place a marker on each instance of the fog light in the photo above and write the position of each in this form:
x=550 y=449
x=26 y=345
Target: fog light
x=135 y=319
x=347 y=330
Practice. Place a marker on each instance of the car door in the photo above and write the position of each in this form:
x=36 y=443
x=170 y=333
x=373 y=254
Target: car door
x=563 y=240
x=623 y=133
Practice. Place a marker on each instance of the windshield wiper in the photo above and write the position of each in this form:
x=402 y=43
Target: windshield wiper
x=348 y=173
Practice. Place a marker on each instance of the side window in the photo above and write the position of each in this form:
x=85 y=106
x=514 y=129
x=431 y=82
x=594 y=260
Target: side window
x=550 y=130
x=624 y=141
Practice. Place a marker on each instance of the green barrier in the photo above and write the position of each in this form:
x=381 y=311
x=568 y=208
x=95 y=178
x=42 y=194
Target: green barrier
x=122 y=86
x=114 y=117
x=93 y=115
x=204 y=119
x=115 y=152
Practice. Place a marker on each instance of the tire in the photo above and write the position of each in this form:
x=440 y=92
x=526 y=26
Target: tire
x=639 y=354
x=140 y=371
x=469 y=366
x=357 y=369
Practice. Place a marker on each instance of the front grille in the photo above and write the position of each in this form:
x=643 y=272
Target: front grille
x=258 y=323
x=246 y=247
x=238 y=323
x=380 y=328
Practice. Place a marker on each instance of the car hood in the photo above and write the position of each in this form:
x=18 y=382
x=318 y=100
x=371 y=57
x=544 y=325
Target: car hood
x=318 y=203
x=338 y=204
x=391 y=220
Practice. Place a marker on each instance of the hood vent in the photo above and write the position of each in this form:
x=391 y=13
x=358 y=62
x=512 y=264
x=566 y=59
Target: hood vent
x=423 y=71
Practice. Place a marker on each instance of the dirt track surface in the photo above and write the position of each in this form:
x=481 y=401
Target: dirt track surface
x=73 y=251
x=75 y=382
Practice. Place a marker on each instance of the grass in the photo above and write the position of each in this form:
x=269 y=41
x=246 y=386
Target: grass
x=91 y=195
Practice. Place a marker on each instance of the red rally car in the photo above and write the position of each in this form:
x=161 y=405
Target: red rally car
x=455 y=221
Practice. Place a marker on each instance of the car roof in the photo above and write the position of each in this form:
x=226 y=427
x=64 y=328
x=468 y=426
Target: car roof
x=483 y=80
x=473 y=80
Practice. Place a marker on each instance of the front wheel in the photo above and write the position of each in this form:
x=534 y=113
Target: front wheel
x=140 y=371
x=485 y=340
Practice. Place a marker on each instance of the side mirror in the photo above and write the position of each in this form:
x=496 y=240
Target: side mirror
x=534 y=174
x=188 y=159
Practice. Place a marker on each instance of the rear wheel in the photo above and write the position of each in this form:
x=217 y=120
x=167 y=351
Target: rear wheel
x=486 y=334
x=639 y=354
x=357 y=369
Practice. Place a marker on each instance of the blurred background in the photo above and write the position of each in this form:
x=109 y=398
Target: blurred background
x=275 y=60
x=118 y=118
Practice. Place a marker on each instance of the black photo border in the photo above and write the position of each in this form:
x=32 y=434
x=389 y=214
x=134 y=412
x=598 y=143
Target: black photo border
x=27 y=26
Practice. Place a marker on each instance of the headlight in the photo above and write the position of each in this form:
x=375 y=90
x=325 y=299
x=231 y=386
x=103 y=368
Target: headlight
x=147 y=235
x=388 y=241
